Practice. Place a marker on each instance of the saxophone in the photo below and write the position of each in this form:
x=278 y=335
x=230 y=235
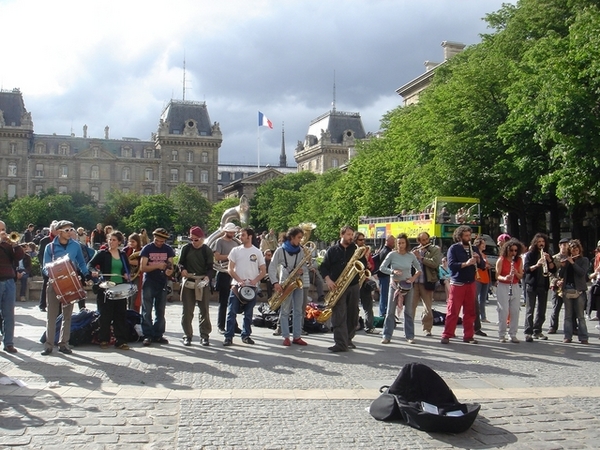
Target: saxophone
x=292 y=282
x=353 y=267
x=545 y=270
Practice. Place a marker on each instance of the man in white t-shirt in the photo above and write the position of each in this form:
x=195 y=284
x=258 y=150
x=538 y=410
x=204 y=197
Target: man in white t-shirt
x=246 y=267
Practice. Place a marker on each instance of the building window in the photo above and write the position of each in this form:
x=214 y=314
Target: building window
x=95 y=173
x=63 y=149
x=39 y=170
x=40 y=149
x=174 y=175
x=95 y=152
x=149 y=175
x=174 y=155
x=126 y=152
x=38 y=189
x=219 y=176
x=204 y=194
x=219 y=188
x=189 y=176
x=148 y=191
x=126 y=174
x=13 y=148
x=190 y=156
x=12 y=190
x=63 y=172
x=125 y=190
x=335 y=163
x=149 y=153
x=12 y=169
x=95 y=193
x=204 y=157
x=62 y=189
x=204 y=176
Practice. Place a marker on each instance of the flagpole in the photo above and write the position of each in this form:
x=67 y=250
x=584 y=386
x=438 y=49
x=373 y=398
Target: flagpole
x=258 y=148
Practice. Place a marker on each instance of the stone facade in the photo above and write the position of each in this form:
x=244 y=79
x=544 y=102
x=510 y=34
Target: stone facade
x=330 y=141
x=185 y=149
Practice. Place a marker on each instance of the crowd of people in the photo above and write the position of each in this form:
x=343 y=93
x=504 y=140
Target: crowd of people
x=134 y=273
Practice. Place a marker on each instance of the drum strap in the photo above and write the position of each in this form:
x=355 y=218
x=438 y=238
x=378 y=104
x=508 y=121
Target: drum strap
x=125 y=267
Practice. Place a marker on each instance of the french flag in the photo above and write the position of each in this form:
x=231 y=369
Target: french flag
x=263 y=121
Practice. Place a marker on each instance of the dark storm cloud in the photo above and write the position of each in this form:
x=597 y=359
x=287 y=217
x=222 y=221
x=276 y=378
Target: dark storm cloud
x=279 y=60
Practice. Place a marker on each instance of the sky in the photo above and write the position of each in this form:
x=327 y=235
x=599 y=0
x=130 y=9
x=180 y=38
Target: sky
x=119 y=63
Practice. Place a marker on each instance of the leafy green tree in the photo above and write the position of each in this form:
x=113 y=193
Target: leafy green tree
x=276 y=201
x=154 y=211
x=214 y=218
x=119 y=207
x=191 y=206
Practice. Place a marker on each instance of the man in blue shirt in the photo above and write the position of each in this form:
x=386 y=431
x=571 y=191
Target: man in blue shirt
x=62 y=245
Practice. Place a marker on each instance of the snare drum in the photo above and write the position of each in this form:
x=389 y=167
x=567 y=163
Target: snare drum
x=65 y=281
x=121 y=291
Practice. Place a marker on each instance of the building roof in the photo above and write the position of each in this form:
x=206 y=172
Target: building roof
x=336 y=123
x=12 y=107
x=178 y=112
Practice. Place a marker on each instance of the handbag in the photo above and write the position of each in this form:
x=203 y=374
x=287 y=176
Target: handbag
x=570 y=292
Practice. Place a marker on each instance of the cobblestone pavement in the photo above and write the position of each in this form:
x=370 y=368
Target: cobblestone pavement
x=540 y=395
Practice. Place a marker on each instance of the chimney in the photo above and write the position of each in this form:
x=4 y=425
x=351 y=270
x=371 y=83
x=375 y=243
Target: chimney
x=106 y=132
x=451 y=49
x=430 y=65
x=85 y=131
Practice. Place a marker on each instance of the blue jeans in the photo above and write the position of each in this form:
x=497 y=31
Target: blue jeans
x=293 y=304
x=7 y=308
x=384 y=287
x=153 y=296
x=390 y=318
x=575 y=308
x=482 y=296
x=23 y=283
x=234 y=306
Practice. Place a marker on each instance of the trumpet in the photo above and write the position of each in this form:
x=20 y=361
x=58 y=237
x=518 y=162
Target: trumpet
x=14 y=237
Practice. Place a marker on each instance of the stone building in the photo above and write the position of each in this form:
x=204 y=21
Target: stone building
x=411 y=90
x=185 y=149
x=330 y=141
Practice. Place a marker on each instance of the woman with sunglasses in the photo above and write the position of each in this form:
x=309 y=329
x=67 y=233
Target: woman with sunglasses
x=509 y=270
x=576 y=269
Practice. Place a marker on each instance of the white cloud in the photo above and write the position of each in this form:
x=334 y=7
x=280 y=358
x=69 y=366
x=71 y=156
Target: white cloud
x=119 y=63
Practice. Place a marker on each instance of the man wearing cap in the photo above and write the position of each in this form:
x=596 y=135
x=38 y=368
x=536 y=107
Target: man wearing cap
x=246 y=267
x=196 y=266
x=10 y=254
x=223 y=247
x=42 y=246
x=156 y=263
x=60 y=246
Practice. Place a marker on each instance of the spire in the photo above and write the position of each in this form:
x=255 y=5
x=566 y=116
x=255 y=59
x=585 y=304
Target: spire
x=333 y=103
x=282 y=157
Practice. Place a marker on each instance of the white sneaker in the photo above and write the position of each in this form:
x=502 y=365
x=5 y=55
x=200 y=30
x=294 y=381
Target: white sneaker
x=503 y=340
x=514 y=340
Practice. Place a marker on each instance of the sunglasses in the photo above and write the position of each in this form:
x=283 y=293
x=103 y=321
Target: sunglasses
x=196 y=240
x=68 y=230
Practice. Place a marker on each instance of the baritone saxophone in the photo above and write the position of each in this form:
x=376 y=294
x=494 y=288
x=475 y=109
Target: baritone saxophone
x=353 y=267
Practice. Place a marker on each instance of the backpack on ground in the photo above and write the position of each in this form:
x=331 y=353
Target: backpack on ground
x=422 y=399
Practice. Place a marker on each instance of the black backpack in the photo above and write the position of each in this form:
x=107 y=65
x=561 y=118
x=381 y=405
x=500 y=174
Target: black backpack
x=422 y=399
